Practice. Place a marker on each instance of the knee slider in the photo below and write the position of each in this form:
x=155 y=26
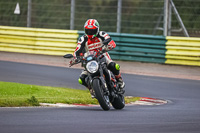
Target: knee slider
x=80 y=81
x=117 y=66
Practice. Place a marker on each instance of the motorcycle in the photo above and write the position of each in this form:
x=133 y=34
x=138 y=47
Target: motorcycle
x=100 y=79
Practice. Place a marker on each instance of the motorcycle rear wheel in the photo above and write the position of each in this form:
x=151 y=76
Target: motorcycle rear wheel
x=119 y=102
x=100 y=96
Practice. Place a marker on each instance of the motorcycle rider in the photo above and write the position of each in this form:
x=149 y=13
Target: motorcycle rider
x=92 y=40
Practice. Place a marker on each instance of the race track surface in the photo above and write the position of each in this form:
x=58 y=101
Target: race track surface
x=180 y=115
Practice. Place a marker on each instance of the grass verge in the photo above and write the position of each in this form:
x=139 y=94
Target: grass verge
x=16 y=95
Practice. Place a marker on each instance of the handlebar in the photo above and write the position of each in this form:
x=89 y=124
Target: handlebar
x=98 y=53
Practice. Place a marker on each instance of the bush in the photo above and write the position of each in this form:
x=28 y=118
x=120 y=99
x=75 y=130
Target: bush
x=33 y=101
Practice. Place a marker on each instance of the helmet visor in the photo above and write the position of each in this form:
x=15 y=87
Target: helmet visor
x=91 y=31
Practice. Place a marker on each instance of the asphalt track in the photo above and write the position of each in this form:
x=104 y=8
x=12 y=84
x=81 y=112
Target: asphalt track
x=181 y=115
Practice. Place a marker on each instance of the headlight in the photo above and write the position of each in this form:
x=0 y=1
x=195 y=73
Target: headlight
x=92 y=66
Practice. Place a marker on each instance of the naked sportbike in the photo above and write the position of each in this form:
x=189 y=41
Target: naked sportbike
x=101 y=79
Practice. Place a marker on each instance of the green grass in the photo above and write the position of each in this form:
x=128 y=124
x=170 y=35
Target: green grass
x=16 y=94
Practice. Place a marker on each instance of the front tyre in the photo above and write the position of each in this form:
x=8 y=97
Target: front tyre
x=100 y=96
x=119 y=102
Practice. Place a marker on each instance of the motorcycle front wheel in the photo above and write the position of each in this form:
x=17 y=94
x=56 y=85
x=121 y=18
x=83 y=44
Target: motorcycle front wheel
x=100 y=96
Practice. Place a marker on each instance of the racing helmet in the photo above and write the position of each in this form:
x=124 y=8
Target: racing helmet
x=91 y=28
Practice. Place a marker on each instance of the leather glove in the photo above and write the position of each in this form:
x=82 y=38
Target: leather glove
x=72 y=62
x=107 y=48
x=105 y=42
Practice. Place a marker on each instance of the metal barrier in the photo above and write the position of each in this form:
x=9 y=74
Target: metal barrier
x=130 y=47
x=37 y=41
x=183 y=51
x=133 y=47
x=143 y=48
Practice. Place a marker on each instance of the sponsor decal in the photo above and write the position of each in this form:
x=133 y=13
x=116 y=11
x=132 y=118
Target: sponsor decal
x=94 y=46
x=90 y=26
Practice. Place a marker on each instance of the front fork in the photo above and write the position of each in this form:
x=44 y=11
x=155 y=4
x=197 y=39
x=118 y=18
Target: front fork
x=89 y=80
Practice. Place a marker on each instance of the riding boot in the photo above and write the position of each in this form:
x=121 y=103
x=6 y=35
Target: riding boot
x=120 y=83
x=91 y=92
